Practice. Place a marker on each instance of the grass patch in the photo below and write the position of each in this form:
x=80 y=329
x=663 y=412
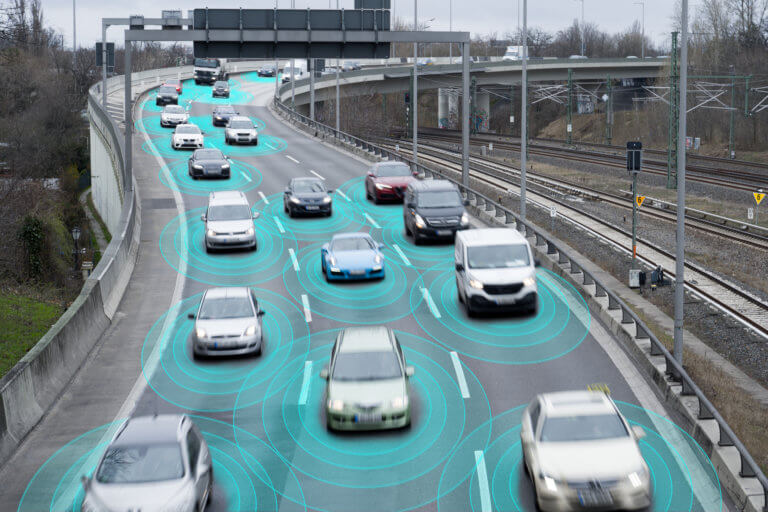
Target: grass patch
x=102 y=224
x=24 y=319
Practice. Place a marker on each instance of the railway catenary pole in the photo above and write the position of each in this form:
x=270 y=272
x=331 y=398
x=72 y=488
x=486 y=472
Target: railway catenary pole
x=293 y=72
x=277 y=67
x=450 y=29
x=681 y=158
x=465 y=61
x=731 y=142
x=524 y=112
x=338 y=88
x=74 y=35
x=609 y=113
x=311 y=67
x=104 y=64
x=128 y=106
x=415 y=98
x=569 y=114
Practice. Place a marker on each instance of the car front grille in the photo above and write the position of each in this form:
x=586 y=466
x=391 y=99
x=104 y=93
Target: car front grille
x=442 y=221
x=503 y=289
x=593 y=484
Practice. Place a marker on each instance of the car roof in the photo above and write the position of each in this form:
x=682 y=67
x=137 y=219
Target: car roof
x=144 y=430
x=491 y=236
x=581 y=403
x=227 y=197
x=240 y=118
x=224 y=107
x=389 y=164
x=432 y=185
x=310 y=179
x=187 y=125
x=365 y=339
x=341 y=236
x=226 y=293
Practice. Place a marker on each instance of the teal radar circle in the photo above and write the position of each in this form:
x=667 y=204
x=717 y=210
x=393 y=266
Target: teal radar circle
x=423 y=256
x=206 y=124
x=358 y=302
x=254 y=77
x=182 y=245
x=151 y=125
x=369 y=466
x=161 y=146
x=384 y=213
x=310 y=227
x=559 y=326
x=682 y=476
x=242 y=484
x=213 y=384
x=243 y=177
x=203 y=93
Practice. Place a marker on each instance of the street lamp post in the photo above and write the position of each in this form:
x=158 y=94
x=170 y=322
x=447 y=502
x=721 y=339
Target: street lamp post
x=74 y=34
x=642 y=4
x=524 y=113
x=450 y=29
x=415 y=99
x=76 y=237
x=581 y=29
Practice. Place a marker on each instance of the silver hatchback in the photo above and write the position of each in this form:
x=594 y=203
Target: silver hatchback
x=228 y=323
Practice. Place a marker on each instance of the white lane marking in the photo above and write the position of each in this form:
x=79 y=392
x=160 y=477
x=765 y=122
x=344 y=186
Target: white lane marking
x=307 y=310
x=317 y=174
x=460 y=375
x=263 y=197
x=289 y=157
x=279 y=224
x=482 y=482
x=306 y=382
x=342 y=194
x=270 y=146
x=430 y=302
x=245 y=175
x=371 y=221
x=402 y=255
x=294 y=260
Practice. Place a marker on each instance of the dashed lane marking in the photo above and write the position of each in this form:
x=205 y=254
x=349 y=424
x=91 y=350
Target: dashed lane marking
x=294 y=260
x=307 y=311
x=372 y=222
x=289 y=157
x=430 y=302
x=263 y=197
x=402 y=255
x=460 y=375
x=317 y=174
x=482 y=482
x=279 y=224
x=306 y=382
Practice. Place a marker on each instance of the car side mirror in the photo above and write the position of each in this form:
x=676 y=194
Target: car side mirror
x=526 y=436
x=324 y=374
x=202 y=468
x=325 y=247
x=536 y=263
x=409 y=371
x=86 y=482
x=370 y=174
x=459 y=267
x=638 y=431
x=288 y=191
x=411 y=205
x=331 y=191
x=465 y=202
x=191 y=316
x=381 y=247
x=415 y=174
x=260 y=313
x=203 y=218
x=256 y=215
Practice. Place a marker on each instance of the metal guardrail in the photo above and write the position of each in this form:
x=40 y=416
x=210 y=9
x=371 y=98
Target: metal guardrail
x=749 y=468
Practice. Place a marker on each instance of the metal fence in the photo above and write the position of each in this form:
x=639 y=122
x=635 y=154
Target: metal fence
x=707 y=411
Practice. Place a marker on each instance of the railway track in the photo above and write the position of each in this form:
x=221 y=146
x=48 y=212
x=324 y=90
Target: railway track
x=742 y=180
x=740 y=304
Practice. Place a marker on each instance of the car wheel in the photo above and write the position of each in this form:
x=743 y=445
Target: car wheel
x=471 y=313
x=285 y=207
x=290 y=212
x=376 y=199
x=407 y=229
x=255 y=246
x=330 y=212
x=416 y=239
x=208 y=250
x=368 y=194
x=257 y=353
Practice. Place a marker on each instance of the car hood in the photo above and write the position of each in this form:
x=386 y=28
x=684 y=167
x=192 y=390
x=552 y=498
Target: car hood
x=395 y=181
x=224 y=115
x=367 y=393
x=230 y=226
x=188 y=135
x=579 y=461
x=451 y=211
x=154 y=496
x=174 y=116
x=226 y=326
x=211 y=163
x=355 y=259
x=310 y=196
x=501 y=275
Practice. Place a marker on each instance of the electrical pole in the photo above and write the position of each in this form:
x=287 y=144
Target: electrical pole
x=609 y=113
x=681 y=157
x=338 y=90
x=415 y=97
x=674 y=114
x=524 y=113
x=450 y=29
x=731 y=141
x=293 y=72
x=104 y=64
x=569 y=114
x=74 y=35
x=642 y=4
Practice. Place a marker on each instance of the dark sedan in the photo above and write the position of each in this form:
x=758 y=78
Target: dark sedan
x=221 y=114
x=307 y=196
x=208 y=163
x=267 y=71
x=167 y=95
x=220 y=89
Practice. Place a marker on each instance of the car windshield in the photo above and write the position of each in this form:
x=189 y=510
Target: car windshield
x=583 y=428
x=225 y=110
x=174 y=109
x=498 y=256
x=225 y=307
x=390 y=171
x=220 y=84
x=167 y=89
x=308 y=186
x=241 y=125
x=351 y=244
x=441 y=199
x=206 y=63
x=353 y=366
x=229 y=212
x=138 y=464
x=188 y=129
x=209 y=154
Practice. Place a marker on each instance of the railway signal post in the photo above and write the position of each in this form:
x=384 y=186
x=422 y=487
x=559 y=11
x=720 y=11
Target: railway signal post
x=759 y=196
x=634 y=163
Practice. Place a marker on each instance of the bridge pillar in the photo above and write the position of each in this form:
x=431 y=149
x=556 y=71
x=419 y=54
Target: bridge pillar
x=443 y=109
x=482 y=113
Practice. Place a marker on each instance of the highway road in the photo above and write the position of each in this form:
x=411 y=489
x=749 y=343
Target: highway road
x=262 y=416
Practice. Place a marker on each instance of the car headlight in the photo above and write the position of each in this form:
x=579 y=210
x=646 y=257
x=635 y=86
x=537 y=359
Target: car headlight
x=200 y=333
x=382 y=186
x=332 y=261
x=211 y=233
x=219 y=118
x=197 y=167
x=399 y=402
x=464 y=219
x=378 y=259
x=224 y=167
x=295 y=200
x=549 y=482
x=326 y=200
x=636 y=478
x=250 y=231
x=474 y=283
x=419 y=221
x=336 y=405
x=251 y=330
x=529 y=281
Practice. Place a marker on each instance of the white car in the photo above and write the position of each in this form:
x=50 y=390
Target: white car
x=173 y=115
x=240 y=130
x=581 y=453
x=187 y=136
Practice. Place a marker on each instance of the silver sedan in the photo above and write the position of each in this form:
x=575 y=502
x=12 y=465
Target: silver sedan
x=228 y=323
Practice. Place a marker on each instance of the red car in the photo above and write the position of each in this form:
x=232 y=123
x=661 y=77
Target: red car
x=174 y=83
x=387 y=181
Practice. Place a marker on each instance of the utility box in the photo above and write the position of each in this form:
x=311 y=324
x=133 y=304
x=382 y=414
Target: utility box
x=171 y=20
x=634 y=278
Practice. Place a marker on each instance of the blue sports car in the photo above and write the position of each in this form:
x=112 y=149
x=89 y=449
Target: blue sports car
x=352 y=256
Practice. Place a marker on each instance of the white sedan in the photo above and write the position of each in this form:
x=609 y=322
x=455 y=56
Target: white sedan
x=580 y=453
x=173 y=115
x=187 y=136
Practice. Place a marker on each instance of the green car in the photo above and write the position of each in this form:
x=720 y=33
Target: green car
x=367 y=381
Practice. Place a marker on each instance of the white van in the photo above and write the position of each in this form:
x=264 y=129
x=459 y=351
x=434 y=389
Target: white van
x=229 y=221
x=495 y=269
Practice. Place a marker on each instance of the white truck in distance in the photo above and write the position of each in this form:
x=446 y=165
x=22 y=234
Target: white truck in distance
x=208 y=71
x=513 y=53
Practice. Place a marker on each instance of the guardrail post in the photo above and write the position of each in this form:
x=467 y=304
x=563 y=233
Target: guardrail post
x=686 y=390
x=613 y=304
x=575 y=269
x=640 y=332
x=725 y=439
x=626 y=316
x=562 y=258
x=588 y=279
x=539 y=239
x=509 y=218
x=704 y=412
x=489 y=206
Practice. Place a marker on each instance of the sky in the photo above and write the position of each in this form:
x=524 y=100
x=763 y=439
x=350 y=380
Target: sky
x=476 y=16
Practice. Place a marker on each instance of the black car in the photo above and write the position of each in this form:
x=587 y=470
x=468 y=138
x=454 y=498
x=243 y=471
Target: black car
x=268 y=70
x=167 y=95
x=221 y=114
x=308 y=196
x=208 y=163
x=220 y=89
x=433 y=209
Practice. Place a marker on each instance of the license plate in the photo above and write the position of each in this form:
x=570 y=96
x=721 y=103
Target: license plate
x=505 y=301
x=356 y=272
x=368 y=418
x=443 y=232
x=312 y=208
x=595 y=498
